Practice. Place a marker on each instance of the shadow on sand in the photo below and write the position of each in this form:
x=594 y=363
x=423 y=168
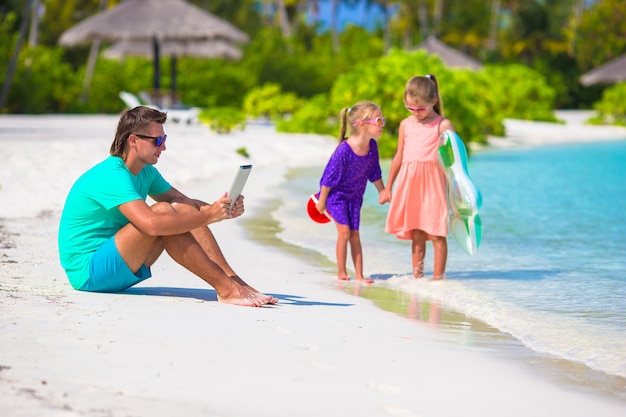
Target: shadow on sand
x=210 y=295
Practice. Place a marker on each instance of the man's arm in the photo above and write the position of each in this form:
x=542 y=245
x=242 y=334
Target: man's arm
x=157 y=221
x=174 y=196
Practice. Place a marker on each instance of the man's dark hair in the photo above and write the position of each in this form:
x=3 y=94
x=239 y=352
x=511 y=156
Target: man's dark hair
x=134 y=121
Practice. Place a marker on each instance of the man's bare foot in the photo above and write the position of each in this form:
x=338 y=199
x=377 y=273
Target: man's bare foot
x=244 y=295
x=365 y=280
x=268 y=299
x=343 y=278
x=438 y=277
x=251 y=299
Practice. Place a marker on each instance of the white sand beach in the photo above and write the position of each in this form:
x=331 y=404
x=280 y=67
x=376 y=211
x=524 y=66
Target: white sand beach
x=572 y=129
x=167 y=347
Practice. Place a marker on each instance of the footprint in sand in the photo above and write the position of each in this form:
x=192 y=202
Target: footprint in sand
x=384 y=388
x=322 y=365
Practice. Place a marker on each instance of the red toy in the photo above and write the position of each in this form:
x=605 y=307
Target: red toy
x=315 y=215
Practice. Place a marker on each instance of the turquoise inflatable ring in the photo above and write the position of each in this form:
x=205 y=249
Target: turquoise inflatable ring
x=464 y=199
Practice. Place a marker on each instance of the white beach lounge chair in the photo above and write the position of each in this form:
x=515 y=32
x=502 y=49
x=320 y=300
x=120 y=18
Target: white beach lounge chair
x=186 y=115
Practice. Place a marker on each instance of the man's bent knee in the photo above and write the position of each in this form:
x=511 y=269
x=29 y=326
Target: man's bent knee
x=162 y=207
x=183 y=207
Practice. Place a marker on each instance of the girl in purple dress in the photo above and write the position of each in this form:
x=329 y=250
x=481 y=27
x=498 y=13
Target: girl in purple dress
x=354 y=162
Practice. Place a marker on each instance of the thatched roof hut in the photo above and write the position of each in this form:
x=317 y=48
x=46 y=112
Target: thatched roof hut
x=451 y=57
x=157 y=24
x=209 y=48
x=147 y=19
x=611 y=72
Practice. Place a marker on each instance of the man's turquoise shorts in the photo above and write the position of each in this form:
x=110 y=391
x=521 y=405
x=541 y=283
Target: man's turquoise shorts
x=109 y=273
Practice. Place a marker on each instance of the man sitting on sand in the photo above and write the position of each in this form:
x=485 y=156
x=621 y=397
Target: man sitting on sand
x=109 y=237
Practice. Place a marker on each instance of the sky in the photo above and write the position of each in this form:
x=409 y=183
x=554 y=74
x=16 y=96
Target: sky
x=359 y=15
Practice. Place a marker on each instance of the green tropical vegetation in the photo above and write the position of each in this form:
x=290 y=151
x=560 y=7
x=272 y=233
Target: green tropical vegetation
x=611 y=109
x=300 y=73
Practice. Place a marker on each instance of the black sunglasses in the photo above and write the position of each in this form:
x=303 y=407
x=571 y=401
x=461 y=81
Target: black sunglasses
x=157 y=140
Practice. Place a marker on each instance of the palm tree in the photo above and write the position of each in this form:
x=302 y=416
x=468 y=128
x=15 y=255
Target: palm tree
x=334 y=25
x=6 y=86
x=279 y=14
x=283 y=18
x=493 y=25
x=34 y=22
x=91 y=61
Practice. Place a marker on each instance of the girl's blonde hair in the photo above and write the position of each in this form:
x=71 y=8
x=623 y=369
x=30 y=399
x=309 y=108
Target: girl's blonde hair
x=424 y=88
x=350 y=116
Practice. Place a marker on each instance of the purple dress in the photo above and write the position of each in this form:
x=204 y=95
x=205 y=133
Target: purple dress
x=346 y=174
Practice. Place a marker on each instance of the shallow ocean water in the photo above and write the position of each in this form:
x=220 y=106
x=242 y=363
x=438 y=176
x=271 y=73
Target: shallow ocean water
x=550 y=272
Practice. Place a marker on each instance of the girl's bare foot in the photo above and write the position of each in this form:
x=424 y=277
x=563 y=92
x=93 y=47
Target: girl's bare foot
x=418 y=270
x=365 y=280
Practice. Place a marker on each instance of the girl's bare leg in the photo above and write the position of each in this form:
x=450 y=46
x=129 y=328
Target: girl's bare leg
x=341 y=250
x=418 y=252
x=440 y=245
x=357 y=256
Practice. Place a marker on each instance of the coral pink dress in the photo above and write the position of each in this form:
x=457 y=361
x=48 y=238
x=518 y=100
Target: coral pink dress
x=418 y=200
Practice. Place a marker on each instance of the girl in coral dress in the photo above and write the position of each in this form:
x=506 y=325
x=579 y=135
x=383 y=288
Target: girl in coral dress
x=351 y=166
x=418 y=209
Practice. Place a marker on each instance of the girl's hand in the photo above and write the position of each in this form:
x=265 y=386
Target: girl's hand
x=321 y=206
x=384 y=197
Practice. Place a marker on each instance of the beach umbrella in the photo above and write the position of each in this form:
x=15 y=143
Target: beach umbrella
x=154 y=22
x=209 y=48
x=611 y=72
x=450 y=56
